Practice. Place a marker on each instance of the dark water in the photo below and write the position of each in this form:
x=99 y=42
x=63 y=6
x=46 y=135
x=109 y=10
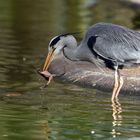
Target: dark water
x=61 y=111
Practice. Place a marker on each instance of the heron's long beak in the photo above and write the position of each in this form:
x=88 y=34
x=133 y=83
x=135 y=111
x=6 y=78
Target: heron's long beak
x=48 y=59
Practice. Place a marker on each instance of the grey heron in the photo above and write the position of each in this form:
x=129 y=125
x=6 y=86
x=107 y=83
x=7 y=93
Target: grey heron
x=104 y=44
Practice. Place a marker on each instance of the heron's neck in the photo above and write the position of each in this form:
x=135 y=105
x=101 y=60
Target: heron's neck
x=71 y=53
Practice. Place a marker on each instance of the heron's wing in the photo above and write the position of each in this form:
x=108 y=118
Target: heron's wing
x=120 y=51
x=114 y=42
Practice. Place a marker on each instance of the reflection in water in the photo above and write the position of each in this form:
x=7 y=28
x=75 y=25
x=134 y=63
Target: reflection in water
x=46 y=130
x=71 y=112
x=117 y=117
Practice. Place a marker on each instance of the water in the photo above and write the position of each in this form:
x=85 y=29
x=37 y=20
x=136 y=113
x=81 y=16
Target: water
x=61 y=111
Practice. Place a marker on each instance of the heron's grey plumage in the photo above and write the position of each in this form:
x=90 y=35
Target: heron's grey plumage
x=114 y=42
x=104 y=44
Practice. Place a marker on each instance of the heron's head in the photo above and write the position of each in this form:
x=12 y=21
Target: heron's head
x=56 y=46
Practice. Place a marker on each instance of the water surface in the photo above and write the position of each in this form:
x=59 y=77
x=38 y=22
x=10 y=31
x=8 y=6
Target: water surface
x=61 y=111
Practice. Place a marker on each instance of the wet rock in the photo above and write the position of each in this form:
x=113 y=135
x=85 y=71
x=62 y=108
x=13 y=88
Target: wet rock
x=89 y=75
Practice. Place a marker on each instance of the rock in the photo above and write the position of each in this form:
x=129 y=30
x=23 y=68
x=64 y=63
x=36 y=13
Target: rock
x=87 y=74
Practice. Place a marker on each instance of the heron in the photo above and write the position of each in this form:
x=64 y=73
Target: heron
x=104 y=44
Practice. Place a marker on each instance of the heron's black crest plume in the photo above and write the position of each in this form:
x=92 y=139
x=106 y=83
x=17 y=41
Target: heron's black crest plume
x=54 y=41
x=57 y=38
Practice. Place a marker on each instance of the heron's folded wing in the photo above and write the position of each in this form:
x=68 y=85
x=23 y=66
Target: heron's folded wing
x=117 y=51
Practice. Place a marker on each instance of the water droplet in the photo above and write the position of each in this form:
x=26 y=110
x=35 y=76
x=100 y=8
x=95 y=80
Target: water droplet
x=24 y=58
x=92 y=132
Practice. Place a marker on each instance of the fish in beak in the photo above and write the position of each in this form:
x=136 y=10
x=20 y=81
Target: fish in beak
x=48 y=76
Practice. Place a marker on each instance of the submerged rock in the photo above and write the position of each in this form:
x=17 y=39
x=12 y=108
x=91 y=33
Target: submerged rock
x=89 y=75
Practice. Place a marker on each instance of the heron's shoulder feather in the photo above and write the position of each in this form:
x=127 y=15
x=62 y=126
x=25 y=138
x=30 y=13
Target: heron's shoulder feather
x=114 y=42
x=114 y=33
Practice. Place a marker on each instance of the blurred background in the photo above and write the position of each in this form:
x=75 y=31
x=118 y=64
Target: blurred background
x=26 y=26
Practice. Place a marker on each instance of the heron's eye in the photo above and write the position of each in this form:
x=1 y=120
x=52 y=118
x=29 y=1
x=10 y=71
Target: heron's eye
x=51 y=48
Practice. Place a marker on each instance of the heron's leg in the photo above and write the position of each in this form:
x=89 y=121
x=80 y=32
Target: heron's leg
x=120 y=85
x=116 y=85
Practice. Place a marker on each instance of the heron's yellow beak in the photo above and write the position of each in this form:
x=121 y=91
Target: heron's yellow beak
x=48 y=59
